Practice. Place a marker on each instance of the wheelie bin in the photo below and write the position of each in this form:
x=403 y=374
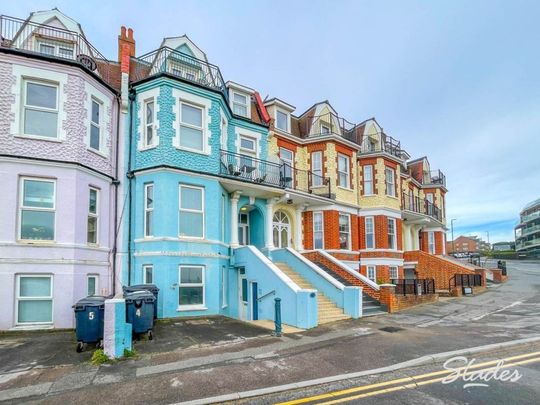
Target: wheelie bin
x=140 y=312
x=89 y=314
x=148 y=287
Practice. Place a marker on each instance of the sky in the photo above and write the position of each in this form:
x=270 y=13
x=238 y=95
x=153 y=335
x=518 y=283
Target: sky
x=457 y=80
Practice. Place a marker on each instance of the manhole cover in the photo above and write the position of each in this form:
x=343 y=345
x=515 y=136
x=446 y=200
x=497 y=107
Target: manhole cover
x=391 y=329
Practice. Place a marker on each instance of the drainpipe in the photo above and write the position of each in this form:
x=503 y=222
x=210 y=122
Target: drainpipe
x=130 y=177
x=116 y=183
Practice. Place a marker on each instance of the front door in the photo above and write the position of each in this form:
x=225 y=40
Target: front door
x=243 y=229
x=281 y=229
x=242 y=295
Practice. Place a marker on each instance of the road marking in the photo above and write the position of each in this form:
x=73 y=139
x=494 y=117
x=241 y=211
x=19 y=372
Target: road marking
x=412 y=380
x=477 y=318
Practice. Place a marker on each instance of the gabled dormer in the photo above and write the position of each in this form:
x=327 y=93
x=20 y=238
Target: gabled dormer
x=240 y=99
x=280 y=112
x=322 y=119
x=371 y=138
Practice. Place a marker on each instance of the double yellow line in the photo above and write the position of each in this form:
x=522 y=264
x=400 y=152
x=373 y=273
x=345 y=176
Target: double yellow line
x=350 y=394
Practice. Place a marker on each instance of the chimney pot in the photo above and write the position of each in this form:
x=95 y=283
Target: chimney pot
x=122 y=32
x=130 y=33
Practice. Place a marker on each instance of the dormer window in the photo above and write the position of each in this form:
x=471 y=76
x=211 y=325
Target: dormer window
x=56 y=48
x=240 y=104
x=282 y=121
x=325 y=129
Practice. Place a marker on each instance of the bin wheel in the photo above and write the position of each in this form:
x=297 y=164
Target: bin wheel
x=100 y=344
x=150 y=335
x=80 y=347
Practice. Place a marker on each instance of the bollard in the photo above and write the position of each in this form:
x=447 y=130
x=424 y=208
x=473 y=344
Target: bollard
x=277 y=318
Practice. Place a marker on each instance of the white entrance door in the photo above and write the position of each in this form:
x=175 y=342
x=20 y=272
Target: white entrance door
x=281 y=228
x=243 y=294
x=243 y=229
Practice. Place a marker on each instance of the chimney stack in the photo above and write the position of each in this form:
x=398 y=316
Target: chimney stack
x=126 y=44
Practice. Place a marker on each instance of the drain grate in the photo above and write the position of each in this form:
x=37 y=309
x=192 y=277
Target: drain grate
x=391 y=329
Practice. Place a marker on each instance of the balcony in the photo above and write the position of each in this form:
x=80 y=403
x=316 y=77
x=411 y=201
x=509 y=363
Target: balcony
x=172 y=62
x=530 y=217
x=52 y=42
x=434 y=177
x=530 y=230
x=252 y=170
x=412 y=203
x=523 y=244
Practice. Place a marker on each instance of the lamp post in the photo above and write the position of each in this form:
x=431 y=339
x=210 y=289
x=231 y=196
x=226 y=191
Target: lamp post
x=452 y=227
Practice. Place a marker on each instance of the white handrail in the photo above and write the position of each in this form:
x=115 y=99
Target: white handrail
x=317 y=269
x=359 y=276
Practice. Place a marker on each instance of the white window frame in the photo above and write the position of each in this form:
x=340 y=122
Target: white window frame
x=431 y=242
x=287 y=120
x=368 y=271
x=201 y=211
x=144 y=268
x=147 y=124
x=349 y=238
x=346 y=173
x=368 y=180
x=148 y=210
x=202 y=284
x=25 y=107
x=237 y=103
x=19 y=298
x=96 y=283
x=372 y=220
x=56 y=45
x=394 y=235
x=98 y=125
x=93 y=215
x=317 y=171
x=393 y=270
x=327 y=131
x=244 y=150
x=288 y=162
x=23 y=208
x=181 y=124
x=224 y=287
x=390 y=185
x=321 y=232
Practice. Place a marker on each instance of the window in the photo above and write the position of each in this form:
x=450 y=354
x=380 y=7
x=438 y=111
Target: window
x=343 y=171
x=224 y=287
x=148 y=210
x=370 y=232
x=248 y=144
x=429 y=203
x=92 y=286
x=390 y=182
x=93 y=215
x=37 y=209
x=316 y=169
x=368 y=180
x=344 y=231
x=393 y=270
x=191 y=286
x=148 y=274
x=149 y=112
x=40 y=109
x=34 y=299
x=391 y=233
x=431 y=242
x=224 y=134
x=191 y=127
x=191 y=212
x=287 y=167
x=240 y=104
x=325 y=129
x=282 y=120
x=318 y=230
x=248 y=149
x=61 y=49
x=95 y=125
x=372 y=273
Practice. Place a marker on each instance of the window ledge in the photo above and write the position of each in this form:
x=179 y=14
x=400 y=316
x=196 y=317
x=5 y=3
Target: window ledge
x=149 y=147
x=39 y=138
x=191 y=308
x=199 y=152
x=345 y=188
x=36 y=242
x=391 y=196
x=32 y=326
x=97 y=152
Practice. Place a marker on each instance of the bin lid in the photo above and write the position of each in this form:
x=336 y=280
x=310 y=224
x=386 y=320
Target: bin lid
x=139 y=295
x=90 y=301
x=139 y=287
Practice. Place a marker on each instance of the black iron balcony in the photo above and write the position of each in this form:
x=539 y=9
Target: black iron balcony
x=52 y=42
x=434 y=177
x=412 y=203
x=180 y=65
x=250 y=169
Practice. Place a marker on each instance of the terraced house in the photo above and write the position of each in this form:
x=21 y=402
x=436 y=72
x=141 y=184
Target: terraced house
x=223 y=200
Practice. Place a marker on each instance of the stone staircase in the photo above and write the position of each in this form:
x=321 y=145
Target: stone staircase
x=372 y=307
x=326 y=309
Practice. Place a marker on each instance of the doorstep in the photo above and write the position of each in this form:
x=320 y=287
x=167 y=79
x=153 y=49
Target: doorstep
x=267 y=324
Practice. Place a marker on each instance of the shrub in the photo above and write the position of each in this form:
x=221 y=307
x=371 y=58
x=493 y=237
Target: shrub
x=99 y=357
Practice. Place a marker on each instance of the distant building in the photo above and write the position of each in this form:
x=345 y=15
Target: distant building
x=501 y=246
x=467 y=244
x=527 y=232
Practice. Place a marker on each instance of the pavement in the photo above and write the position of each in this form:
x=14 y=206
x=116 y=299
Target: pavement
x=199 y=358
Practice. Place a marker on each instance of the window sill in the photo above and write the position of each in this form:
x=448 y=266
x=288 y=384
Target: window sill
x=199 y=152
x=39 y=138
x=391 y=196
x=369 y=195
x=191 y=308
x=345 y=188
x=36 y=242
x=149 y=147
x=97 y=152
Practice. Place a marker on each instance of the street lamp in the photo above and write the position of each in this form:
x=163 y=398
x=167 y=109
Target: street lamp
x=452 y=227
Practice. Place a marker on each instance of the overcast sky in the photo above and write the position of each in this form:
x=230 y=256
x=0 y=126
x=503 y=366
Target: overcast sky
x=457 y=81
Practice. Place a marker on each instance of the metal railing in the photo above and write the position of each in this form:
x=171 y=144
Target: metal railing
x=529 y=230
x=410 y=202
x=434 y=177
x=418 y=286
x=520 y=244
x=258 y=171
x=530 y=217
x=465 y=280
x=178 y=64
x=52 y=42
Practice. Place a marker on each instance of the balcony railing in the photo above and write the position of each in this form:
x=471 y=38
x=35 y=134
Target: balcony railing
x=258 y=171
x=530 y=230
x=415 y=286
x=178 y=64
x=530 y=217
x=434 y=177
x=522 y=244
x=410 y=202
x=52 y=42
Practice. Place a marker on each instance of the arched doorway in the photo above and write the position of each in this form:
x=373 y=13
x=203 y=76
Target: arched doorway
x=281 y=229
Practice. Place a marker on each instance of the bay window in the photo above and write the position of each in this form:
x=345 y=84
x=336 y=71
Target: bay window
x=93 y=216
x=318 y=230
x=191 y=217
x=191 y=127
x=392 y=233
x=344 y=231
x=37 y=209
x=149 y=127
x=390 y=182
x=343 y=171
x=316 y=169
x=368 y=179
x=370 y=232
x=148 y=220
x=95 y=124
x=40 y=109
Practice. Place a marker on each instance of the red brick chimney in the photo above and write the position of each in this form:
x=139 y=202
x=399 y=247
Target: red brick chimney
x=126 y=48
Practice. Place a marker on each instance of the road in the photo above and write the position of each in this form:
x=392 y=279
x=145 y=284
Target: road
x=179 y=373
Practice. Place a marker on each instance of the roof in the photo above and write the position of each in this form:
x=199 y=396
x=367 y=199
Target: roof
x=532 y=204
